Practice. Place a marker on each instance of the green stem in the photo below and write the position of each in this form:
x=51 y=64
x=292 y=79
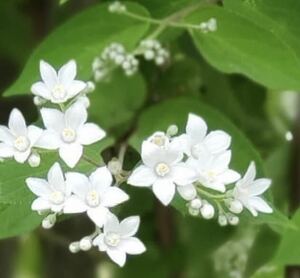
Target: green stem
x=210 y=195
x=91 y=161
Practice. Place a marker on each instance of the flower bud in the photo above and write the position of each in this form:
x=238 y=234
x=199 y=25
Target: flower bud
x=222 y=219
x=207 y=211
x=235 y=206
x=114 y=166
x=172 y=130
x=38 y=101
x=193 y=211
x=85 y=244
x=49 y=221
x=34 y=160
x=90 y=87
x=196 y=203
x=233 y=220
x=74 y=247
x=149 y=54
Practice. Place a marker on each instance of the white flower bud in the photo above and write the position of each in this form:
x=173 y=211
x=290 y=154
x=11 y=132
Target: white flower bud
x=172 y=130
x=149 y=54
x=38 y=101
x=34 y=160
x=74 y=247
x=85 y=244
x=159 y=60
x=49 y=221
x=207 y=211
x=119 y=59
x=99 y=75
x=235 y=206
x=233 y=220
x=90 y=87
x=84 y=100
x=193 y=211
x=212 y=25
x=114 y=166
x=196 y=203
x=222 y=219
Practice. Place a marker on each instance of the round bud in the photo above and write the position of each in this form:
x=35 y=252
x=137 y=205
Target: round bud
x=114 y=166
x=222 y=219
x=90 y=87
x=74 y=247
x=49 y=221
x=196 y=203
x=34 y=160
x=85 y=244
x=172 y=130
x=149 y=54
x=159 y=60
x=38 y=101
x=233 y=220
x=235 y=206
x=119 y=59
x=193 y=212
x=207 y=211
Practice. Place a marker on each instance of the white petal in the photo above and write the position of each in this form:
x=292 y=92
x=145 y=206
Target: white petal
x=40 y=204
x=21 y=157
x=34 y=133
x=99 y=241
x=48 y=74
x=132 y=246
x=40 y=89
x=173 y=154
x=5 y=135
x=118 y=256
x=196 y=127
x=101 y=179
x=150 y=153
x=217 y=141
x=56 y=178
x=38 y=186
x=164 y=190
x=221 y=161
x=142 y=176
x=90 y=133
x=71 y=154
x=129 y=226
x=98 y=215
x=76 y=87
x=111 y=224
x=75 y=116
x=6 y=151
x=49 y=140
x=249 y=176
x=260 y=205
x=79 y=183
x=74 y=205
x=67 y=73
x=53 y=119
x=187 y=192
x=183 y=175
x=229 y=176
x=259 y=186
x=17 y=123
x=113 y=197
x=215 y=185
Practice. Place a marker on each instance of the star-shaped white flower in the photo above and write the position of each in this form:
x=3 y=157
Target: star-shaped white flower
x=159 y=138
x=213 y=170
x=94 y=195
x=52 y=193
x=247 y=191
x=68 y=132
x=163 y=169
x=58 y=87
x=118 y=239
x=17 y=140
x=196 y=142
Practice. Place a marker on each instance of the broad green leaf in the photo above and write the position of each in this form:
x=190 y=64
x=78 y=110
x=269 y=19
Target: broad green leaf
x=82 y=38
x=16 y=216
x=270 y=271
x=256 y=38
x=175 y=111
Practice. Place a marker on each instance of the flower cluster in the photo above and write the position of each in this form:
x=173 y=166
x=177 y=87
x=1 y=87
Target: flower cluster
x=117 y=7
x=209 y=26
x=196 y=164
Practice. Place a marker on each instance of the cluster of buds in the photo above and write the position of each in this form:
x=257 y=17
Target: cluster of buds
x=117 y=7
x=209 y=26
x=153 y=51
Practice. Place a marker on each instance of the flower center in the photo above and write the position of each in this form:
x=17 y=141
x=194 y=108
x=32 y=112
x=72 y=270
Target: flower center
x=68 y=135
x=159 y=140
x=57 y=197
x=93 y=198
x=211 y=175
x=22 y=143
x=162 y=169
x=59 y=92
x=112 y=239
x=197 y=150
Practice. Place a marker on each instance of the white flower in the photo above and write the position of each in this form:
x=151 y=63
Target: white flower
x=52 y=193
x=159 y=138
x=247 y=191
x=17 y=140
x=58 y=87
x=162 y=169
x=93 y=195
x=118 y=239
x=68 y=132
x=196 y=142
x=213 y=170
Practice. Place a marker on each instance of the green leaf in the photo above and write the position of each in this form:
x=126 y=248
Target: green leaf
x=16 y=216
x=256 y=38
x=82 y=38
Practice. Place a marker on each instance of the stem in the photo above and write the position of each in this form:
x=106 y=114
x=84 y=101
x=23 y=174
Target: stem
x=122 y=152
x=91 y=161
x=210 y=195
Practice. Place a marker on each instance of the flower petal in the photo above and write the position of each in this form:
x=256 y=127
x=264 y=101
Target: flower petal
x=229 y=176
x=38 y=186
x=56 y=178
x=101 y=179
x=132 y=246
x=249 y=176
x=40 y=89
x=221 y=161
x=164 y=190
x=6 y=136
x=217 y=141
x=34 y=133
x=16 y=123
x=49 y=140
x=113 y=197
x=98 y=215
x=150 y=153
x=99 y=241
x=71 y=154
x=259 y=186
x=79 y=184
x=196 y=128
x=90 y=133
x=142 y=176
x=183 y=175
x=76 y=87
x=111 y=224
x=53 y=119
x=21 y=157
x=129 y=226
x=75 y=116
x=67 y=73
x=118 y=256
x=187 y=192
x=40 y=204
x=260 y=205
x=74 y=205
x=6 y=150
x=48 y=74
